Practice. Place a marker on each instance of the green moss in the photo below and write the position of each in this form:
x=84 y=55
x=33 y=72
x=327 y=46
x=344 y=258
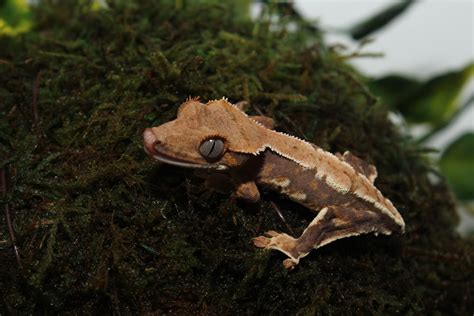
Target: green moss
x=103 y=228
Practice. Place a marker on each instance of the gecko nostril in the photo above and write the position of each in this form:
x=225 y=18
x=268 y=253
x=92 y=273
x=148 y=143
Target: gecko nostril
x=157 y=145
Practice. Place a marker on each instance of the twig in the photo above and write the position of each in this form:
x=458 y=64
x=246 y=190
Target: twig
x=358 y=54
x=256 y=109
x=285 y=117
x=12 y=236
x=35 y=98
x=4 y=61
x=8 y=219
x=293 y=125
x=277 y=209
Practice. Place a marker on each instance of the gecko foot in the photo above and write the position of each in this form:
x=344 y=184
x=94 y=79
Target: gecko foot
x=265 y=241
x=289 y=264
x=282 y=242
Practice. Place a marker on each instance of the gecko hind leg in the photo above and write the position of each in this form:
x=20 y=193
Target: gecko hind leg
x=332 y=223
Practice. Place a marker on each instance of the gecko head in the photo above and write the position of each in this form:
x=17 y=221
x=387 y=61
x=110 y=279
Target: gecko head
x=203 y=136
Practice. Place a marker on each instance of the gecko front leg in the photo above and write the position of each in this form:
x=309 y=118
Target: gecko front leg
x=225 y=183
x=332 y=223
x=247 y=191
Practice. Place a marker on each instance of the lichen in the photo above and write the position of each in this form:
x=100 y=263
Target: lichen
x=103 y=228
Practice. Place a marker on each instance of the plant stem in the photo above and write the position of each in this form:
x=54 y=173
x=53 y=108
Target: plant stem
x=11 y=232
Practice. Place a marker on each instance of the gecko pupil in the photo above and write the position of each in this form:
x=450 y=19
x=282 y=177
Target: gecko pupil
x=212 y=149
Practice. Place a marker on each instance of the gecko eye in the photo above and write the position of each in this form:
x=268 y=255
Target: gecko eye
x=212 y=148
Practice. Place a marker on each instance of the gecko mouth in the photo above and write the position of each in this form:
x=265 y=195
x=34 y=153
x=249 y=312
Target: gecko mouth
x=183 y=163
x=174 y=161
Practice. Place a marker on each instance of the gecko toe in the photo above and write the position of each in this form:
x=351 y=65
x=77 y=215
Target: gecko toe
x=261 y=242
x=289 y=264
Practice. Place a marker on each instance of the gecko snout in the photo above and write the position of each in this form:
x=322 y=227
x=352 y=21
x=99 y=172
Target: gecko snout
x=150 y=141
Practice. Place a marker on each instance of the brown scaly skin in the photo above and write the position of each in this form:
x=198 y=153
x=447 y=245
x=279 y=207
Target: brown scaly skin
x=338 y=188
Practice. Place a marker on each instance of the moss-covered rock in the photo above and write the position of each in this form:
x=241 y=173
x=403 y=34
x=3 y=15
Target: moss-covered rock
x=103 y=228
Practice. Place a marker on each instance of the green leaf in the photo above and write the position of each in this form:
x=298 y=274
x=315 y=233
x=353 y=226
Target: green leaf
x=379 y=20
x=438 y=99
x=393 y=89
x=434 y=101
x=457 y=164
x=15 y=17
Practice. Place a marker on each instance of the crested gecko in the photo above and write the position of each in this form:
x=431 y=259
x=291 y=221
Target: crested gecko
x=339 y=189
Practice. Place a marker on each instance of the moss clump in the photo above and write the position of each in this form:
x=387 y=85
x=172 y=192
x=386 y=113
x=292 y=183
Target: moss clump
x=102 y=228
